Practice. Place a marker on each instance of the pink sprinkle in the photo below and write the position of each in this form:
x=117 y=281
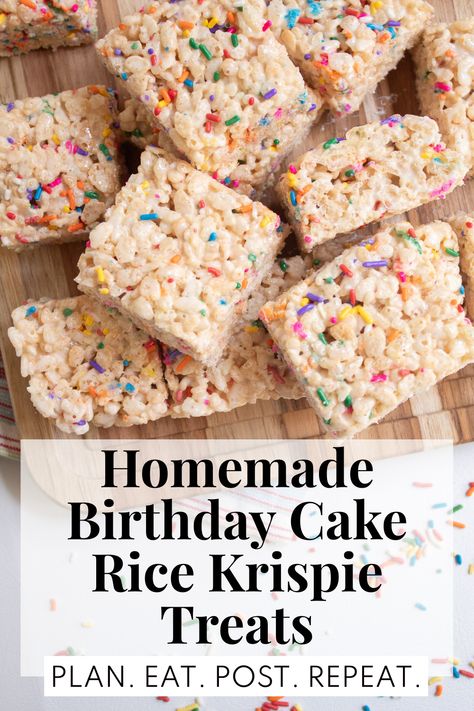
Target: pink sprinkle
x=379 y=378
x=69 y=146
x=75 y=8
x=55 y=182
x=267 y=25
x=179 y=396
x=307 y=238
x=439 y=148
x=442 y=86
x=333 y=319
x=292 y=169
x=402 y=276
x=206 y=402
x=236 y=183
x=440 y=192
x=278 y=113
x=298 y=328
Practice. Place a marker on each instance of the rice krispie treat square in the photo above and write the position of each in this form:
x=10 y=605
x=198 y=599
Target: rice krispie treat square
x=60 y=166
x=250 y=369
x=87 y=364
x=32 y=24
x=380 y=323
x=254 y=174
x=463 y=225
x=444 y=60
x=180 y=254
x=375 y=171
x=213 y=75
x=345 y=48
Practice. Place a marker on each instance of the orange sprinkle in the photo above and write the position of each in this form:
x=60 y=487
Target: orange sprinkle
x=457 y=524
x=183 y=76
x=52 y=605
x=244 y=284
x=231 y=17
x=164 y=94
x=92 y=391
x=72 y=199
x=47 y=218
x=185 y=25
x=80 y=185
x=439 y=690
x=245 y=208
x=175 y=259
x=74 y=228
x=404 y=291
x=184 y=361
x=29 y=3
x=392 y=334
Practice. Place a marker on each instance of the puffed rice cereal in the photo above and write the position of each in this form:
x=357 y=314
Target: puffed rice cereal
x=463 y=225
x=60 y=166
x=32 y=24
x=250 y=369
x=214 y=79
x=380 y=323
x=374 y=171
x=180 y=254
x=86 y=364
x=444 y=60
x=345 y=48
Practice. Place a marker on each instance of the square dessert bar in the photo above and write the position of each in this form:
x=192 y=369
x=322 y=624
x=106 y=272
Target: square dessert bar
x=32 y=24
x=344 y=49
x=213 y=75
x=383 y=321
x=180 y=254
x=60 y=166
x=444 y=60
x=250 y=369
x=254 y=174
x=463 y=225
x=87 y=364
x=375 y=171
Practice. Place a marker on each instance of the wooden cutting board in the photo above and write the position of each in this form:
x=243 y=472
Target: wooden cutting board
x=446 y=411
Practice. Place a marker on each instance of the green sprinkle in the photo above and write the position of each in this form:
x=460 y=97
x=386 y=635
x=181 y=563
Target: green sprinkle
x=193 y=43
x=91 y=194
x=100 y=346
x=252 y=257
x=455 y=509
x=68 y=312
x=276 y=141
x=283 y=266
x=322 y=338
x=234 y=40
x=348 y=401
x=328 y=144
x=134 y=45
x=216 y=76
x=316 y=262
x=231 y=121
x=327 y=422
x=238 y=285
x=103 y=149
x=451 y=252
x=349 y=173
x=329 y=280
x=322 y=396
x=412 y=240
x=205 y=51
x=203 y=312
x=137 y=133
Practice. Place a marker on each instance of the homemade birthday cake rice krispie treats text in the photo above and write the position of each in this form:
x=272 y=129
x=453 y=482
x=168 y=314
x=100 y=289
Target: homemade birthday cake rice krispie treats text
x=380 y=323
x=32 y=24
x=250 y=369
x=60 y=165
x=374 y=171
x=444 y=60
x=180 y=254
x=345 y=48
x=86 y=364
x=215 y=78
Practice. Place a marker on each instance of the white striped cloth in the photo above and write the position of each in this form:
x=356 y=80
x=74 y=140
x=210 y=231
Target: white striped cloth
x=9 y=438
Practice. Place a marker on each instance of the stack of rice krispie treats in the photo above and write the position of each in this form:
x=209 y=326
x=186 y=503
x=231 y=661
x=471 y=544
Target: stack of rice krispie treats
x=188 y=307
x=33 y=24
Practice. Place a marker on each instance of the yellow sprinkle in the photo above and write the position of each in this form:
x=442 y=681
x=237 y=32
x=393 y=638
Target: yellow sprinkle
x=88 y=320
x=213 y=21
x=364 y=314
x=252 y=329
x=103 y=291
x=149 y=372
x=186 y=33
x=162 y=103
x=87 y=332
x=427 y=155
x=3 y=17
x=470 y=571
x=106 y=331
x=66 y=208
x=145 y=185
x=374 y=6
x=266 y=221
x=55 y=139
x=292 y=180
x=106 y=132
x=344 y=312
x=434 y=680
x=100 y=275
x=304 y=301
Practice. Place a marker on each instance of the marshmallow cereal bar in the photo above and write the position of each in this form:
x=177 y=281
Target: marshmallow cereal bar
x=60 y=166
x=180 y=254
x=86 y=364
x=214 y=77
x=444 y=60
x=463 y=225
x=32 y=24
x=383 y=321
x=344 y=48
x=250 y=369
x=374 y=171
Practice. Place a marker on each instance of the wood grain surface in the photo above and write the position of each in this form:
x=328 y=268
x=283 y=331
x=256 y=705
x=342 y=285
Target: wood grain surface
x=446 y=411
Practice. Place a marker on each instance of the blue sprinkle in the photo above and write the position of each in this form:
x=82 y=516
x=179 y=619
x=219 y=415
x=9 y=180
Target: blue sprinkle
x=130 y=388
x=124 y=76
x=31 y=310
x=149 y=216
x=189 y=82
x=38 y=193
x=126 y=363
x=376 y=28
x=222 y=302
x=291 y=17
x=458 y=559
x=419 y=606
x=293 y=198
x=456 y=673
x=212 y=237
